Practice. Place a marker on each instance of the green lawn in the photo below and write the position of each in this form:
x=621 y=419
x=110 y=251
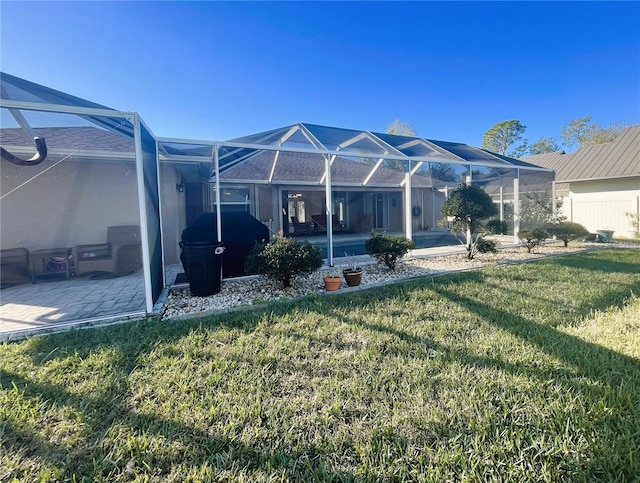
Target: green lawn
x=518 y=373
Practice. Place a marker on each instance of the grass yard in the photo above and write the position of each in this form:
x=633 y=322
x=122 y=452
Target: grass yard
x=512 y=373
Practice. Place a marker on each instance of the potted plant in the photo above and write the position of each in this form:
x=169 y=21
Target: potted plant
x=353 y=273
x=331 y=281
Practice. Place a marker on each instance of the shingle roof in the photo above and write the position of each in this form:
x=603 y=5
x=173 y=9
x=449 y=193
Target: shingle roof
x=86 y=138
x=617 y=159
x=309 y=167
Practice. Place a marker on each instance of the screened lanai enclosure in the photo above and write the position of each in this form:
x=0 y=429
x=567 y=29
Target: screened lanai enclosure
x=93 y=205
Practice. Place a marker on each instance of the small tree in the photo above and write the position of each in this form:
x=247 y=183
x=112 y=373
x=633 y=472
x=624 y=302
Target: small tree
x=283 y=259
x=634 y=219
x=468 y=205
x=387 y=249
x=566 y=231
x=532 y=238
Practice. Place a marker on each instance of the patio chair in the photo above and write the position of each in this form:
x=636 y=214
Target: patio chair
x=320 y=222
x=300 y=228
x=14 y=266
x=121 y=253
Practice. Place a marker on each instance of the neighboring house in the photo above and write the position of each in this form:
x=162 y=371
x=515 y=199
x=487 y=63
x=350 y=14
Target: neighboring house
x=599 y=185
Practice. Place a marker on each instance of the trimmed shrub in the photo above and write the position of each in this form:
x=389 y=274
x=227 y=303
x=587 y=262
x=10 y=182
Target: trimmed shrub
x=566 y=231
x=486 y=246
x=468 y=205
x=532 y=238
x=387 y=249
x=283 y=259
x=497 y=227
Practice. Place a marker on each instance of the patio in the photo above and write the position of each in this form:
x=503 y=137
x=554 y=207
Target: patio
x=83 y=301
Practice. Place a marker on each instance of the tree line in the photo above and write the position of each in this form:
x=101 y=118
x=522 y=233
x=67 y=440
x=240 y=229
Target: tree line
x=507 y=137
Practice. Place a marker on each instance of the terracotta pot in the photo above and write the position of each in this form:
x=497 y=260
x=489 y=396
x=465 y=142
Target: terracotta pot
x=331 y=283
x=352 y=277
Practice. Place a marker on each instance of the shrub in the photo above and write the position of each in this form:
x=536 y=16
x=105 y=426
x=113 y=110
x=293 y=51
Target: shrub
x=387 y=249
x=566 y=231
x=283 y=259
x=497 y=227
x=532 y=238
x=486 y=246
x=468 y=205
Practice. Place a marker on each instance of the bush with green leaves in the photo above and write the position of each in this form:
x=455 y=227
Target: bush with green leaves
x=566 y=231
x=497 y=226
x=532 y=238
x=283 y=259
x=387 y=249
x=484 y=245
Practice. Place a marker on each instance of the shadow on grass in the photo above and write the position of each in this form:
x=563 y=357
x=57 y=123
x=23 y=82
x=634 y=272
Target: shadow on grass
x=132 y=341
x=602 y=261
x=97 y=456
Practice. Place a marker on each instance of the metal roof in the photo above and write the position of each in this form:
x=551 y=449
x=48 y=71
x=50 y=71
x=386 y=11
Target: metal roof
x=617 y=159
x=312 y=138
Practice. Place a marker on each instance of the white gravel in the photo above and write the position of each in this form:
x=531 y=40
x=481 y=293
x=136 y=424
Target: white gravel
x=248 y=291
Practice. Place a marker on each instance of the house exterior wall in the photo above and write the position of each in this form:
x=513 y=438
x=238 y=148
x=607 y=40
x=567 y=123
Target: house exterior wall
x=74 y=202
x=359 y=206
x=70 y=204
x=174 y=218
x=602 y=204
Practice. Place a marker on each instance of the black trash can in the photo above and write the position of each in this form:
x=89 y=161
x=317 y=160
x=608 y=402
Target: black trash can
x=203 y=266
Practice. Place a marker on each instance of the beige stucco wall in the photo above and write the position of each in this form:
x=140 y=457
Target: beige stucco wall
x=173 y=213
x=69 y=204
x=72 y=203
x=601 y=205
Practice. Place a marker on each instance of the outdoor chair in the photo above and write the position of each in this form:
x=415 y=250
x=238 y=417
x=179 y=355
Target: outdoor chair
x=320 y=222
x=14 y=266
x=300 y=228
x=121 y=253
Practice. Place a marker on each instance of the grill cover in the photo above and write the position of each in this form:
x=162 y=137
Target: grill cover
x=240 y=231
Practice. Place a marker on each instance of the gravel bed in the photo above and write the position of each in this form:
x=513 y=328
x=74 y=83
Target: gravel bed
x=248 y=291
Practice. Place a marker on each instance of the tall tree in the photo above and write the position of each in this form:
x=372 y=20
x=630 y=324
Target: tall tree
x=401 y=128
x=543 y=146
x=582 y=132
x=503 y=135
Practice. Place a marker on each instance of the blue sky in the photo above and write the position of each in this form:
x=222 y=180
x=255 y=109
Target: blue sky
x=219 y=70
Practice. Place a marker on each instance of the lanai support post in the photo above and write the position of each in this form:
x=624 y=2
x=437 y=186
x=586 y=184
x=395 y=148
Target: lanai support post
x=554 y=210
x=433 y=208
x=216 y=165
x=328 y=208
x=408 y=228
x=516 y=206
x=142 y=206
